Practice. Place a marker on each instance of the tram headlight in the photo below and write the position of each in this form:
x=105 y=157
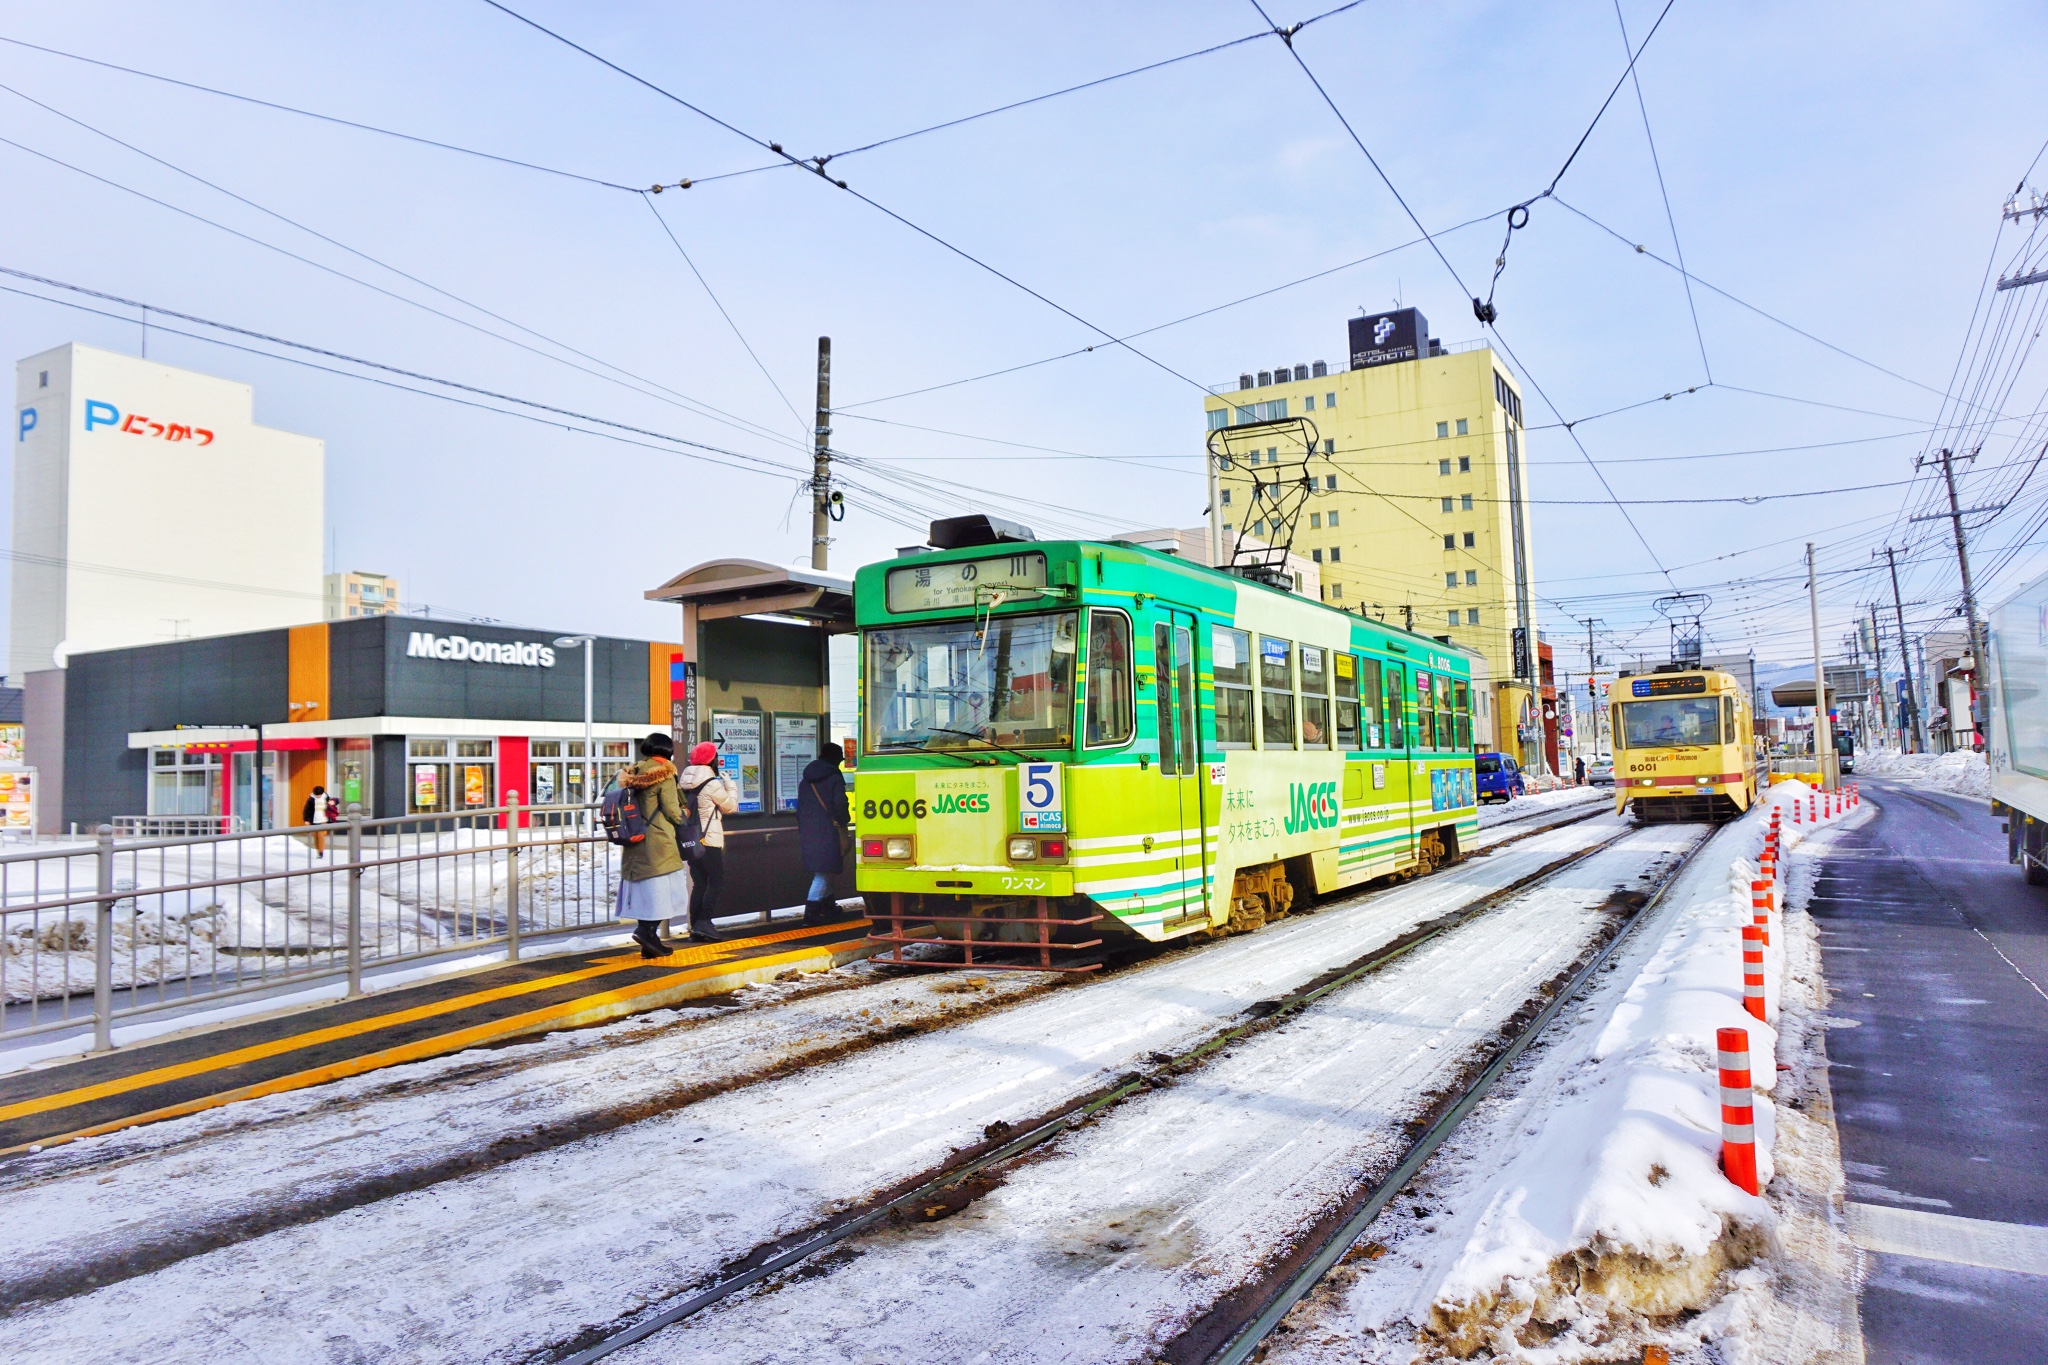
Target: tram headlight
x=1023 y=848
x=898 y=848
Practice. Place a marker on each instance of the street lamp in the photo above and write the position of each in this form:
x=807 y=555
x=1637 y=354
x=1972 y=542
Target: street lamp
x=589 y=643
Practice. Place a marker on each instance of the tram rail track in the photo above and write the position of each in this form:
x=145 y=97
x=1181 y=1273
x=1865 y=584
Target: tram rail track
x=946 y=1189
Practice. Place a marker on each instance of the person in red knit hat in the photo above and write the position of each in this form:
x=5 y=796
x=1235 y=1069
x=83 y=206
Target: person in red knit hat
x=713 y=798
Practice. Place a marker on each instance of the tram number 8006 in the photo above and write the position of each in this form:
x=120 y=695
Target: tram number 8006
x=895 y=810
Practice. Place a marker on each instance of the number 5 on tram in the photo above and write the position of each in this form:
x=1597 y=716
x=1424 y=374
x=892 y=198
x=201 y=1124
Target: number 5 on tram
x=1684 y=746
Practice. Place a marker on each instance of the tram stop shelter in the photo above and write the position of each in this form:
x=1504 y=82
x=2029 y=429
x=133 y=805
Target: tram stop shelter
x=753 y=677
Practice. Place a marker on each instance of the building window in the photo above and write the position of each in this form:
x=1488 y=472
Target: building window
x=1451 y=578
x=184 y=782
x=1443 y=467
x=1316 y=555
x=1276 y=693
x=1443 y=429
x=1330 y=401
x=1330 y=482
x=1468 y=541
x=1218 y=418
x=1454 y=616
x=1464 y=464
x=1329 y=518
x=1447 y=504
x=1315 y=520
x=1111 y=709
x=1471 y=578
x=1230 y=656
x=1273 y=409
x=1308 y=404
x=1245 y=415
x=1462 y=431
x=1330 y=448
x=1226 y=497
x=1337 y=591
x=1465 y=503
x=1273 y=452
x=1336 y=554
x=1472 y=618
x=1451 y=542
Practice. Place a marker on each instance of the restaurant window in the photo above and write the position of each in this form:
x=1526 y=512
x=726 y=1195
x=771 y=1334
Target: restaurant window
x=450 y=775
x=1345 y=681
x=1230 y=653
x=1315 y=697
x=184 y=782
x=1276 y=693
x=1110 y=709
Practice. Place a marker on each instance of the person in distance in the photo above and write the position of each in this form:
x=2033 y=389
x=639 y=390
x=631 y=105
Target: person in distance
x=821 y=814
x=653 y=885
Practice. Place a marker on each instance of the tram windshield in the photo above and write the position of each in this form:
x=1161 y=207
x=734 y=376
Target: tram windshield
x=1684 y=722
x=1004 y=680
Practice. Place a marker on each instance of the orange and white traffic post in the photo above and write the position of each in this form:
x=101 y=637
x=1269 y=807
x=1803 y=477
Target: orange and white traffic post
x=1738 y=1110
x=1760 y=909
x=1753 y=971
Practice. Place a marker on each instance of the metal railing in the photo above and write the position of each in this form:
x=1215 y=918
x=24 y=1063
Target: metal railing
x=175 y=826
x=113 y=929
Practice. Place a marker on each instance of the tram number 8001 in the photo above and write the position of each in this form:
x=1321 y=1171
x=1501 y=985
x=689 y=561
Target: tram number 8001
x=895 y=810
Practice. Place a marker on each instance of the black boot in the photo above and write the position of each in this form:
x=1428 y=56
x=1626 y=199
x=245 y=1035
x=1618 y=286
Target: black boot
x=702 y=932
x=818 y=912
x=648 y=948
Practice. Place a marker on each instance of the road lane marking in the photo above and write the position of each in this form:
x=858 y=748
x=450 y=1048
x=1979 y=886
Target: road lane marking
x=2018 y=1247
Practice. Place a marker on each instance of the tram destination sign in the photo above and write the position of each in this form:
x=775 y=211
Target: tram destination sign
x=1677 y=686
x=964 y=583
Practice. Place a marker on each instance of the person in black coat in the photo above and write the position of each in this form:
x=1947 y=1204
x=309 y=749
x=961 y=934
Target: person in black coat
x=821 y=814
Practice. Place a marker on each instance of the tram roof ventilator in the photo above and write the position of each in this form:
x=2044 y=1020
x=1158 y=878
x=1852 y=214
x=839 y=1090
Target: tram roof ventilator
x=959 y=533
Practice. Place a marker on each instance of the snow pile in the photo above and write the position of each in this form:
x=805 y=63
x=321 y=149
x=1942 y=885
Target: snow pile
x=1962 y=772
x=1524 y=807
x=1613 y=1208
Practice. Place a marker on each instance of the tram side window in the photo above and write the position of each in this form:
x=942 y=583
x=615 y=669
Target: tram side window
x=1446 y=726
x=1230 y=653
x=1728 y=720
x=1396 y=706
x=1425 y=710
x=1347 y=700
x=1371 y=711
x=1110 y=712
x=1315 y=697
x=1276 y=693
x=1462 y=702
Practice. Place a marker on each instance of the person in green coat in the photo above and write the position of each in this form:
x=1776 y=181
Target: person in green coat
x=653 y=885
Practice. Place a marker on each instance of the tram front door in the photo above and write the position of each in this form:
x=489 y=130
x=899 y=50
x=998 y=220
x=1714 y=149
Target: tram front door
x=1180 y=766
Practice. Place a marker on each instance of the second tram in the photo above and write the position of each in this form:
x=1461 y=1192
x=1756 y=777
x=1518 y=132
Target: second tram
x=1683 y=746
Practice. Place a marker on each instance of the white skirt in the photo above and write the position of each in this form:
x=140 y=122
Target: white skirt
x=663 y=897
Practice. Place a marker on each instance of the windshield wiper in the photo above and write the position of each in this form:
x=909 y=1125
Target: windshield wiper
x=969 y=734
x=924 y=747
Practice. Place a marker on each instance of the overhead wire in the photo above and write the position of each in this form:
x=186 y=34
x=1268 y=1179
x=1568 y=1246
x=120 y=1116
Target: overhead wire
x=1663 y=192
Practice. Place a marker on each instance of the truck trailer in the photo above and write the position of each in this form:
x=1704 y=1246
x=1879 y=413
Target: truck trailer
x=2015 y=694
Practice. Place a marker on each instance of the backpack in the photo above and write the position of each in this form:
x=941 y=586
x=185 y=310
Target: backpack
x=690 y=834
x=624 y=824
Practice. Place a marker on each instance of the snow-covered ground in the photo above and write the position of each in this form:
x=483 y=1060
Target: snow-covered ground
x=1109 y=1244
x=1543 y=803
x=1962 y=772
x=502 y=1262
x=1608 y=1224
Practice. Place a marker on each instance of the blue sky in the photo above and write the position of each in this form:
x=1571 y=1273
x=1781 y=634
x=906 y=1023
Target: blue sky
x=1839 y=167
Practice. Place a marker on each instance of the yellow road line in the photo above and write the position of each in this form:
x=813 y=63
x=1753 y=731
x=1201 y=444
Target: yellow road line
x=142 y=1080
x=441 y=1043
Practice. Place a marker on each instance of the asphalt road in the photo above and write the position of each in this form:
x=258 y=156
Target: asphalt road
x=1937 y=952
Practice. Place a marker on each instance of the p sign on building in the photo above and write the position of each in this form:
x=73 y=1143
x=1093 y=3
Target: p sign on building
x=148 y=504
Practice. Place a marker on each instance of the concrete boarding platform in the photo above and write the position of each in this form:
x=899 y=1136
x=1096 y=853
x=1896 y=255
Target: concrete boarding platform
x=187 y=1073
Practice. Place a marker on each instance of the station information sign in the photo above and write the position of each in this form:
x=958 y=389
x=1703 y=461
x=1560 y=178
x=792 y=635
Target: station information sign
x=963 y=583
x=1668 y=687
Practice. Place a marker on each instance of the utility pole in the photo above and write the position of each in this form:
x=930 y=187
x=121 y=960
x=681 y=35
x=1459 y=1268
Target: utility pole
x=1891 y=559
x=1823 y=739
x=821 y=459
x=1956 y=513
x=1592 y=683
x=1884 y=709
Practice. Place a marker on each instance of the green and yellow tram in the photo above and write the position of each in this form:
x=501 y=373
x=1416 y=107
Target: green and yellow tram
x=1684 y=746
x=1063 y=739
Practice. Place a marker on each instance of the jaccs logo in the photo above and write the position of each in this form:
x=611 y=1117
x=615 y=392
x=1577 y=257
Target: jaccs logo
x=1310 y=806
x=964 y=803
